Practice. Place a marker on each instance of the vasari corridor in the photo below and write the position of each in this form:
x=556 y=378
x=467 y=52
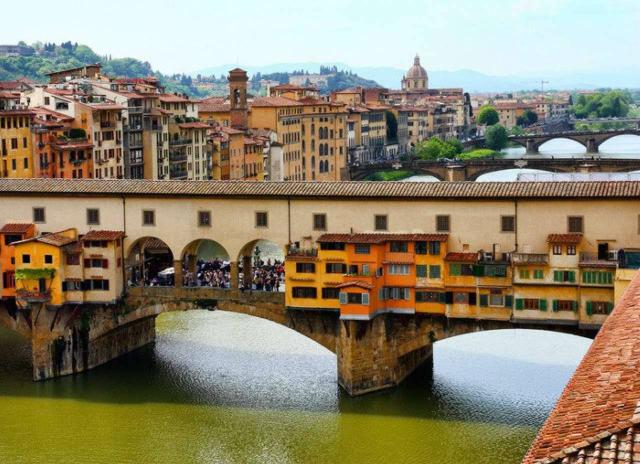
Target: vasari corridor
x=320 y=233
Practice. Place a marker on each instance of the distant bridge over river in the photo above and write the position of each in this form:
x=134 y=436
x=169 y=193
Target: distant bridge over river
x=591 y=140
x=472 y=169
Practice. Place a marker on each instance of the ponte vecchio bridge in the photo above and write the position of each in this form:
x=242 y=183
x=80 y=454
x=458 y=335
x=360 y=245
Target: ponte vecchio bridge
x=492 y=220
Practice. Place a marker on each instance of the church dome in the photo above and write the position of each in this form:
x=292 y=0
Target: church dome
x=416 y=71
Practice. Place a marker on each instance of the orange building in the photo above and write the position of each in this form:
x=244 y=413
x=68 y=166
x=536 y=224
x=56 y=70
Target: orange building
x=9 y=234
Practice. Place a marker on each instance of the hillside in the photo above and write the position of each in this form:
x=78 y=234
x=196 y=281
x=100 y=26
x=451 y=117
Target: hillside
x=50 y=57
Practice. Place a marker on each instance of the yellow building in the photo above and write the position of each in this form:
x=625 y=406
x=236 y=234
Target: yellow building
x=16 y=151
x=63 y=268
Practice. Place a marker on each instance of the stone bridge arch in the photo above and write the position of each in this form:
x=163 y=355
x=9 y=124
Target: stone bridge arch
x=255 y=251
x=574 y=138
x=489 y=170
x=145 y=258
x=606 y=138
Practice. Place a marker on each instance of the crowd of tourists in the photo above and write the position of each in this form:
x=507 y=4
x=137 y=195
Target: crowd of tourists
x=266 y=276
x=212 y=273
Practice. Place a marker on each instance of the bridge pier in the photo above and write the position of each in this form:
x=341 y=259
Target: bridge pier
x=456 y=172
x=592 y=146
x=532 y=147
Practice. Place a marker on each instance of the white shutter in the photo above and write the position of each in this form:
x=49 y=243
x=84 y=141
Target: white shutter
x=343 y=298
x=365 y=299
x=407 y=295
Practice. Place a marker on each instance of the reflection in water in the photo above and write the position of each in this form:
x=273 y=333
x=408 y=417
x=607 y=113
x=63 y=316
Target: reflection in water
x=227 y=388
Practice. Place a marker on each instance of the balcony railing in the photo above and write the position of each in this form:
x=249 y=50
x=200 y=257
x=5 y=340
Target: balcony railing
x=180 y=141
x=530 y=258
x=135 y=109
x=177 y=157
x=611 y=259
x=304 y=252
x=33 y=296
x=107 y=124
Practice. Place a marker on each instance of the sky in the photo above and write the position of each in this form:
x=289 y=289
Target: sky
x=497 y=37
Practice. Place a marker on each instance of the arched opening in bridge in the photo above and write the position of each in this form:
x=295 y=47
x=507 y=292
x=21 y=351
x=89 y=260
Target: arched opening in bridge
x=261 y=266
x=421 y=178
x=624 y=145
x=206 y=263
x=562 y=147
x=150 y=263
x=509 y=175
x=507 y=375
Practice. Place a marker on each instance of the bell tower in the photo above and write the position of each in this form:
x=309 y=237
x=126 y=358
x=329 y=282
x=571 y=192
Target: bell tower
x=238 y=98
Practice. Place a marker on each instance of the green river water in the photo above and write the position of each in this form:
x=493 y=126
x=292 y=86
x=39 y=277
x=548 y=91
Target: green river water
x=227 y=388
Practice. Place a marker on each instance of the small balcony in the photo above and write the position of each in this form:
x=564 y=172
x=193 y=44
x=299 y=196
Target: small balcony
x=594 y=260
x=135 y=109
x=33 y=296
x=174 y=142
x=177 y=157
x=107 y=124
x=293 y=252
x=530 y=258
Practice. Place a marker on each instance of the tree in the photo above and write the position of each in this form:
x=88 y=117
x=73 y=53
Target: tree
x=496 y=137
x=487 y=116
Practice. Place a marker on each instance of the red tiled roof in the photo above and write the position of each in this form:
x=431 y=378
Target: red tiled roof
x=108 y=235
x=355 y=283
x=16 y=228
x=213 y=100
x=55 y=239
x=194 y=125
x=565 y=238
x=214 y=107
x=462 y=257
x=380 y=238
x=274 y=101
x=171 y=98
x=599 y=409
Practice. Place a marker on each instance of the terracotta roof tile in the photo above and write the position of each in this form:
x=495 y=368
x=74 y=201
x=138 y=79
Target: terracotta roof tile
x=380 y=238
x=356 y=283
x=15 y=228
x=565 y=238
x=274 y=101
x=599 y=409
x=462 y=257
x=108 y=235
x=592 y=190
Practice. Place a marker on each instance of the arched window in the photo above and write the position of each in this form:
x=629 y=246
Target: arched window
x=313 y=146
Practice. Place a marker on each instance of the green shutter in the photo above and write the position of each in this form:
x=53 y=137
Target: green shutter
x=421 y=270
x=574 y=306
x=478 y=270
x=609 y=307
x=609 y=278
x=543 y=305
x=555 y=306
x=455 y=269
x=584 y=277
x=508 y=301
x=589 y=308
x=434 y=271
x=484 y=300
x=572 y=276
x=556 y=276
x=519 y=303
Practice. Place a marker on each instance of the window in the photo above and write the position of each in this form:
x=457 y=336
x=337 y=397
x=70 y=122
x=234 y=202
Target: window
x=398 y=247
x=398 y=269
x=380 y=222
x=496 y=299
x=362 y=248
x=571 y=250
x=303 y=292
x=508 y=223
x=71 y=285
x=8 y=279
x=434 y=248
x=26 y=259
x=565 y=305
x=420 y=248
x=460 y=269
x=262 y=219
x=9 y=239
x=524 y=273
x=557 y=249
x=354 y=298
x=329 y=293
x=93 y=216
x=97 y=284
x=394 y=293
x=204 y=218
x=320 y=221
x=337 y=246
x=336 y=268
x=48 y=259
x=575 y=224
x=73 y=259
x=306 y=268
x=96 y=263
x=38 y=215
x=148 y=217
x=597 y=277
x=434 y=271
x=531 y=303
x=429 y=297
x=538 y=274
x=564 y=276
x=599 y=307
x=421 y=270
x=442 y=223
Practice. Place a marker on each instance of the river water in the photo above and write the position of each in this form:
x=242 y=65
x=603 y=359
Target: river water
x=622 y=146
x=219 y=387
